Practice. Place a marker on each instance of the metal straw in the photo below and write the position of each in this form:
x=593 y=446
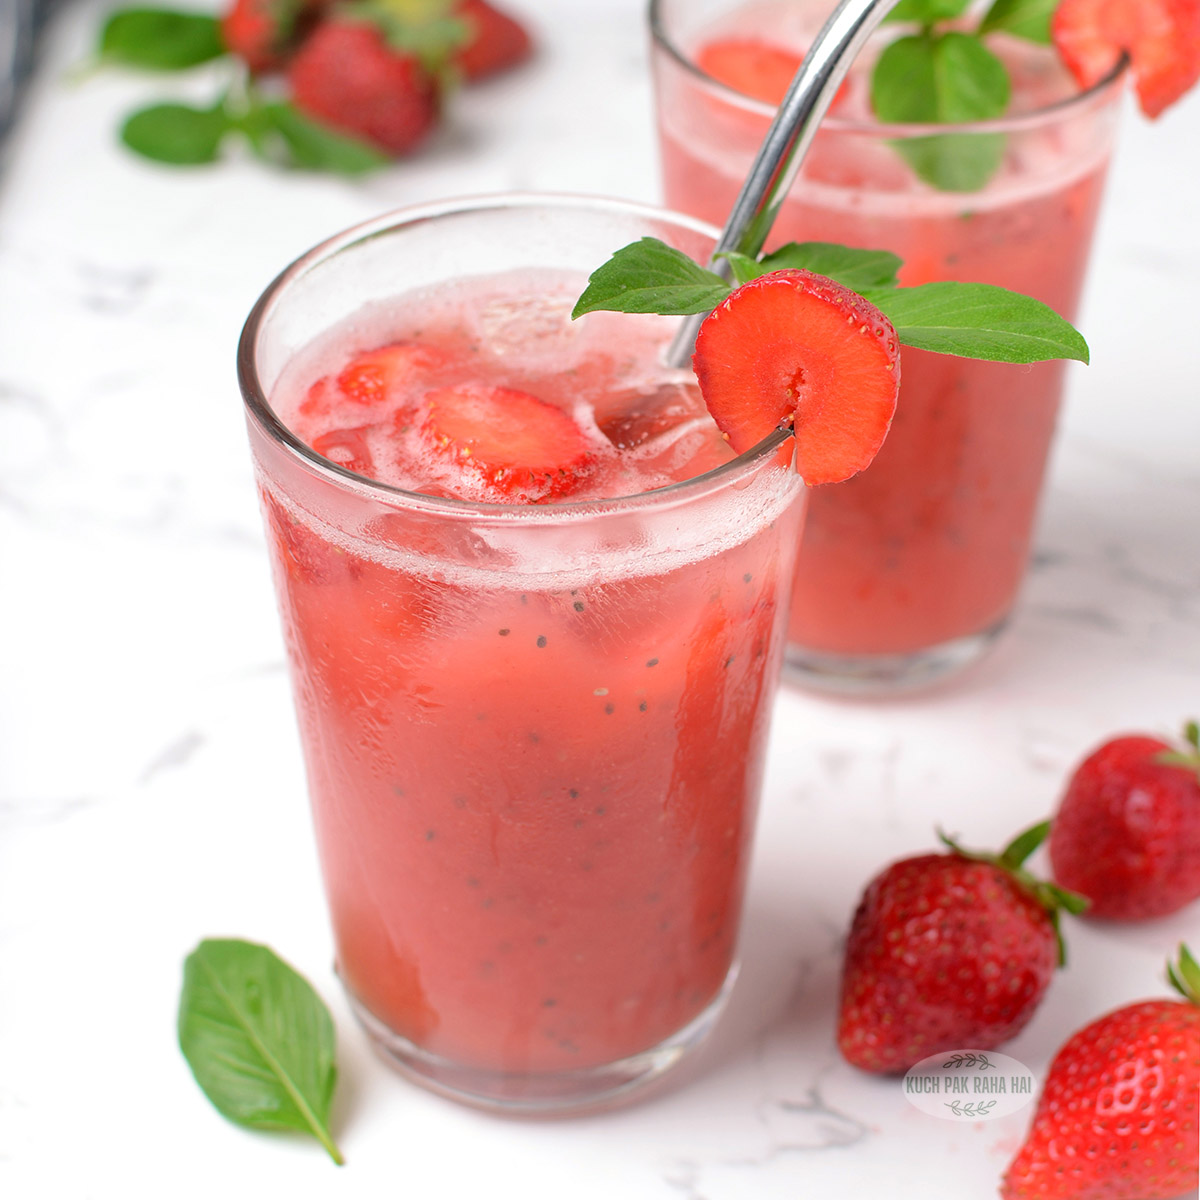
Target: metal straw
x=783 y=149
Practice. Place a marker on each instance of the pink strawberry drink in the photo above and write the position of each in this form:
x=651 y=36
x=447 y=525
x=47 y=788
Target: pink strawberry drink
x=911 y=568
x=532 y=658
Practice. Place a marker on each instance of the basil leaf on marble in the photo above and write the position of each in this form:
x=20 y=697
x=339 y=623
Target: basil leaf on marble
x=258 y=1038
x=160 y=39
x=177 y=133
x=316 y=147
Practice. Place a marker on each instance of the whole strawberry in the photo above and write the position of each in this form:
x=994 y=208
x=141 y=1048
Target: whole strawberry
x=948 y=950
x=1117 y=1118
x=496 y=41
x=263 y=33
x=1127 y=833
x=349 y=76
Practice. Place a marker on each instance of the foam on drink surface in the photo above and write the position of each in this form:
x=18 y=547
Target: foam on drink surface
x=645 y=424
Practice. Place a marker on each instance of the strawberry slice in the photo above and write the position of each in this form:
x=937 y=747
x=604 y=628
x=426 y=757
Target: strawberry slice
x=523 y=448
x=496 y=41
x=370 y=377
x=794 y=346
x=754 y=68
x=1161 y=37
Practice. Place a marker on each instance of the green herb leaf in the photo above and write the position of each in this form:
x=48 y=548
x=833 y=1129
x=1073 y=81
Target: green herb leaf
x=926 y=12
x=979 y=320
x=944 y=79
x=1024 y=844
x=317 y=147
x=177 y=134
x=953 y=162
x=159 y=39
x=1029 y=19
x=258 y=1039
x=852 y=268
x=649 y=276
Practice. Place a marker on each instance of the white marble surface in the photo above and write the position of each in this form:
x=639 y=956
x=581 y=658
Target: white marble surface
x=150 y=786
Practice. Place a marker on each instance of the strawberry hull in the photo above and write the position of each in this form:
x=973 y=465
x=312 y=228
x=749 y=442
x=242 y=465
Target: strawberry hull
x=911 y=567
x=534 y=737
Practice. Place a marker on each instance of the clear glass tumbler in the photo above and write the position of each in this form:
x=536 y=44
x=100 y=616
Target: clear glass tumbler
x=534 y=735
x=910 y=570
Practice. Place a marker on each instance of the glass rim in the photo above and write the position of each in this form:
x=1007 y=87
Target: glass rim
x=1015 y=123
x=259 y=408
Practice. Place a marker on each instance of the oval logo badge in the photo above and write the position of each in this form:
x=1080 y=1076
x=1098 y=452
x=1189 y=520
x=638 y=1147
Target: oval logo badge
x=969 y=1085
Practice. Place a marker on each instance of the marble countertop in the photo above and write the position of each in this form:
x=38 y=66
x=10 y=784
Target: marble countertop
x=151 y=792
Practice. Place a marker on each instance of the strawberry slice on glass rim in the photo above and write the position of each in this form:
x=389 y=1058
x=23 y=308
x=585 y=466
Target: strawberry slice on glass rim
x=793 y=347
x=1160 y=37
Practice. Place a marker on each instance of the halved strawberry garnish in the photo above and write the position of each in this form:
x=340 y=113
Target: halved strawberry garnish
x=794 y=346
x=1161 y=37
x=527 y=450
x=754 y=68
x=495 y=43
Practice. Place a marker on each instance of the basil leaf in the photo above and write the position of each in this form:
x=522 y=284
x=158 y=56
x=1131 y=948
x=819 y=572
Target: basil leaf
x=160 y=39
x=177 y=134
x=972 y=83
x=851 y=267
x=649 y=276
x=315 y=146
x=953 y=162
x=926 y=12
x=1029 y=19
x=258 y=1039
x=978 y=320
x=947 y=79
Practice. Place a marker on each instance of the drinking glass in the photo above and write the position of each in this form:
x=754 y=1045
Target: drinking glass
x=534 y=734
x=910 y=570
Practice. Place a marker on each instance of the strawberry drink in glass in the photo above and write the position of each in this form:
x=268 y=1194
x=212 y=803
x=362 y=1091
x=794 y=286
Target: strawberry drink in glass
x=533 y=606
x=910 y=570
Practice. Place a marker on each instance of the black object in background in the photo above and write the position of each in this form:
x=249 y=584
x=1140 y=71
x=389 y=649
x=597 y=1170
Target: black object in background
x=21 y=25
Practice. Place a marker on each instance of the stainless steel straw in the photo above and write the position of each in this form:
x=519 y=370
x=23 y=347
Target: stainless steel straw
x=783 y=149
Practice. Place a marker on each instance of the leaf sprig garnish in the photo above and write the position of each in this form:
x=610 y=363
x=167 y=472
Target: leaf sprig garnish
x=971 y=320
x=258 y=1039
x=275 y=131
x=944 y=76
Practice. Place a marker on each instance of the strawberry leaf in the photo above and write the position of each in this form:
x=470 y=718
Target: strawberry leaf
x=1024 y=844
x=1184 y=976
x=176 y=133
x=648 y=276
x=158 y=39
x=978 y=320
x=1029 y=19
x=258 y=1039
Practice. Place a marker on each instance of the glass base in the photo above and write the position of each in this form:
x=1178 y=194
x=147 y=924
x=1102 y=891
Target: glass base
x=544 y=1094
x=885 y=674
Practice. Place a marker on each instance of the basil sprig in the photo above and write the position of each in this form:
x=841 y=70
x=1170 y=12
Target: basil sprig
x=970 y=320
x=950 y=77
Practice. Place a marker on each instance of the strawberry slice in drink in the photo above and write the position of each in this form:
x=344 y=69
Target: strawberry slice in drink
x=1161 y=38
x=520 y=448
x=371 y=377
x=795 y=347
x=754 y=68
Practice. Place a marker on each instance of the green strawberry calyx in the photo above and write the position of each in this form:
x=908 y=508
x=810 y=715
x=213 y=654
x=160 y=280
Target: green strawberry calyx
x=1011 y=859
x=1188 y=758
x=1184 y=975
